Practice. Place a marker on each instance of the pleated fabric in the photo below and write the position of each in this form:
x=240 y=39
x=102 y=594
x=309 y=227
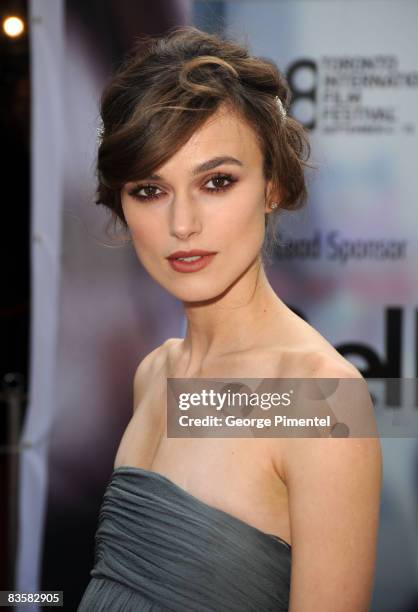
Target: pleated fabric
x=158 y=547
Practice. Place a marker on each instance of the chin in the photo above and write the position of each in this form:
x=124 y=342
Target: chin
x=198 y=293
x=194 y=289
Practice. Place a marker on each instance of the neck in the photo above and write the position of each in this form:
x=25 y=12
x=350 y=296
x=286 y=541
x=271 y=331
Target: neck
x=233 y=321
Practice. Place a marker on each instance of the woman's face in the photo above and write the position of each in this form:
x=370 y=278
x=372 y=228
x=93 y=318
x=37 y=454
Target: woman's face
x=218 y=208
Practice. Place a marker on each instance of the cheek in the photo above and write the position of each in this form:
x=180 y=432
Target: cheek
x=145 y=234
x=245 y=226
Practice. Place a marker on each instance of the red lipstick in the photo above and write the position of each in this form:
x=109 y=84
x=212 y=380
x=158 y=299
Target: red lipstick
x=190 y=261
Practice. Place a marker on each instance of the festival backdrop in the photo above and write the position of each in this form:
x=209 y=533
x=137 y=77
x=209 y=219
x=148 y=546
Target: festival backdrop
x=346 y=262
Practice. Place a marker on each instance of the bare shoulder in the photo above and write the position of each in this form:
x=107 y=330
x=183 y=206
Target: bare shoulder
x=316 y=361
x=150 y=367
x=305 y=352
x=352 y=388
x=323 y=363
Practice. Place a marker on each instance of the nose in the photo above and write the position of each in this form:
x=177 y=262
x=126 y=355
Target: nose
x=184 y=218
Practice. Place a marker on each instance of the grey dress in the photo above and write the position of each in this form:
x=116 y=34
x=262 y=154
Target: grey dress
x=158 y=547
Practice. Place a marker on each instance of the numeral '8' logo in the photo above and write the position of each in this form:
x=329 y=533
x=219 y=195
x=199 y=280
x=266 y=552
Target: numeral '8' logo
x=302 y=77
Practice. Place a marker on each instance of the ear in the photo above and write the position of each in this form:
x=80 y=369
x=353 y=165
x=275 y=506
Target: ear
x=271 y=195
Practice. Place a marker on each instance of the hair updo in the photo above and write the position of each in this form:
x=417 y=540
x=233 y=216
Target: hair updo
x=169 y=86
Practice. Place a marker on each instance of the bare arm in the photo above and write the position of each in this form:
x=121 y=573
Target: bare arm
x=334 y=500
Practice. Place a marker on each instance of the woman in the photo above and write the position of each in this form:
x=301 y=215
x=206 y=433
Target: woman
x=198 y=155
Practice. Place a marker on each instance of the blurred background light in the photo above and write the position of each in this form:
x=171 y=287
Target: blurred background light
x=13 y=26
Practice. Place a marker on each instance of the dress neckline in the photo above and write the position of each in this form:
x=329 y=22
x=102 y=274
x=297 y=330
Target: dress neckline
x=153 y=474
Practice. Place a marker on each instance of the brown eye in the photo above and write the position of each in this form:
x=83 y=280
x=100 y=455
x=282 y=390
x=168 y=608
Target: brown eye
x=220 y=178
x=149 y=193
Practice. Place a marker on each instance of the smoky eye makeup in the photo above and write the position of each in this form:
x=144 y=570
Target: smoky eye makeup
x=146 y=191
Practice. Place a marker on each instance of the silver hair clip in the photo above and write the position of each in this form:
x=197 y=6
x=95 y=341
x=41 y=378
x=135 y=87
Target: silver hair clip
x=280 y=106
x=100 y=132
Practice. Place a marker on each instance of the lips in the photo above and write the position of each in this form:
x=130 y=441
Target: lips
x=195 y=260
x=192 y=253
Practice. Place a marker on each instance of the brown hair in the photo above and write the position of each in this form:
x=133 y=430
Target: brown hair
x=169 y=86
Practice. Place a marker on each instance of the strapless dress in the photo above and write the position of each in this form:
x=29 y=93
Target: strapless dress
x=158 y=547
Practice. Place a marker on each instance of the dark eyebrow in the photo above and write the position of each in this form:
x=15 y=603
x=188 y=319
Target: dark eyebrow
x=207 y=165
